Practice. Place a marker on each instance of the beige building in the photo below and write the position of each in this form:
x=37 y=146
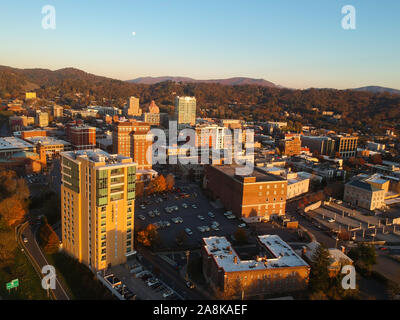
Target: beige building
x=365 y=195
x=42 y=119
x=57 y=111
x=97 y=207
x=185 y=110
x=133 y=107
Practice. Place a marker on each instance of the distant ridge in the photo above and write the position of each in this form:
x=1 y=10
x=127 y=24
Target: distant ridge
x=377 y=89
x=237 y=81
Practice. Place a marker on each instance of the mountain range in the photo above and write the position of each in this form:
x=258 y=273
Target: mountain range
x=237 y=81
x=36 y=77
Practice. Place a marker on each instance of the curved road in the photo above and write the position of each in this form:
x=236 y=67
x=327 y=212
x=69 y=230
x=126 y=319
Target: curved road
x=36 y=256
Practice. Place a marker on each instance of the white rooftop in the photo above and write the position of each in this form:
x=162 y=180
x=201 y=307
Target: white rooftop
x=13 y=143
x=227 y=258
x=47 y=141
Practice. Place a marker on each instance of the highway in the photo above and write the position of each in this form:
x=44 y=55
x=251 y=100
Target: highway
x=36 y=256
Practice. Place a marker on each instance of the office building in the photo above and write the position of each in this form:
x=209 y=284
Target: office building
x=57 y=112
x=345 y=146
x=42 y=119
x=185 y=110
x=290 y=145
x=133 y=108
x=82 y=137
x=97 y=207
x=253 y=198
x=130 y=140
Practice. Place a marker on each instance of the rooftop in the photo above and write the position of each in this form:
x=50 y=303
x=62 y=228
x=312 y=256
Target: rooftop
x=258 y=173
x=13 y=143
x=97 y=155
x=227 y=258
x=46 y=141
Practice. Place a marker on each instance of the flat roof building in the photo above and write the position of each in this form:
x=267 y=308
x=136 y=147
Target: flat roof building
x=253 y=198
x=97 y=207
x=275 y=269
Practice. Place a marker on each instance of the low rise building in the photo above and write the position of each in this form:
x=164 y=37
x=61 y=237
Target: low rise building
x=11 y=145
x=52 y=146
x=365 y=195
x=276 y=269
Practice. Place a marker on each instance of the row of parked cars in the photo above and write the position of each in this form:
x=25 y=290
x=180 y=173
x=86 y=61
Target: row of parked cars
x=121 y=288
x=155 y=284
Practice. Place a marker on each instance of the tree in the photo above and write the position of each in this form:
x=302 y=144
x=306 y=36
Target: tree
x=157 y=185
x=12 y=210
x=48 y=239
x=319 y=275
x=170 y=182
x=149 y=236
x=364 y=255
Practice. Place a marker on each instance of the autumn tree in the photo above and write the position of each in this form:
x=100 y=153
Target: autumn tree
x=149 y=236
x=157 y=185
x=48 y=239
x=12 y=210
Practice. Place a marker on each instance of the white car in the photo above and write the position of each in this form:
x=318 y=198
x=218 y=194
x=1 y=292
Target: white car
x=231 y=216
x=200 y=217
x=242 y=225
x=194 y=206
x=184 y=205
x=142 y=217
x=211 y=215
x=188 y=231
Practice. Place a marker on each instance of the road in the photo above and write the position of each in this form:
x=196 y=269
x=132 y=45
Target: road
x=35 y=254
x=170 y=276
x=321 y=236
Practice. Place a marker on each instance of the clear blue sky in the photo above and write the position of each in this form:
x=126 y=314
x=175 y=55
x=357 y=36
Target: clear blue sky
x=294 y=43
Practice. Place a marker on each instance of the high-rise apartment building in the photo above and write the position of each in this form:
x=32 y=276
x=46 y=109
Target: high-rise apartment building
x=97 y=207
x=185 y=110
x=130 y=140
x=83 y=137
x=133 y=108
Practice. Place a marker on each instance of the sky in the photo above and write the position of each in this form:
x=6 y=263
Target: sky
x=293 y=43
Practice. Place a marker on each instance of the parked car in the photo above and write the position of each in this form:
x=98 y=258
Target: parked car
x=188 y=231
x=242 y=225
x=194 y=206
x=142 y=217
x=230 y=217
x=190 y=285
x=200 y=217
x=184 y=205
x=211 y=215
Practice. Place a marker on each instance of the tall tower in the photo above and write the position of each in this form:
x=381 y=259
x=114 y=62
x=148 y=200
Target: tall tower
x=130 y=140
x=185 y=110
x=97 y=207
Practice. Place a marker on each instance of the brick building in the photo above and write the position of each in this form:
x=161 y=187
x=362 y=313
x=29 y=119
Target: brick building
x=253 y=198
x=291 y=145
x=83 y=137
x=130 y=140
x=275 y=269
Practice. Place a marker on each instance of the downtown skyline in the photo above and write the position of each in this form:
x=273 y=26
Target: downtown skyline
x=292 y=44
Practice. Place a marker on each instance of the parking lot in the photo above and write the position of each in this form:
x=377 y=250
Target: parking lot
x=134 y=282
x=190 y=209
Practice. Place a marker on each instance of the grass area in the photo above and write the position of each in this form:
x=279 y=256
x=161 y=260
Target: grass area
x=30 y=284
x=80 y=281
